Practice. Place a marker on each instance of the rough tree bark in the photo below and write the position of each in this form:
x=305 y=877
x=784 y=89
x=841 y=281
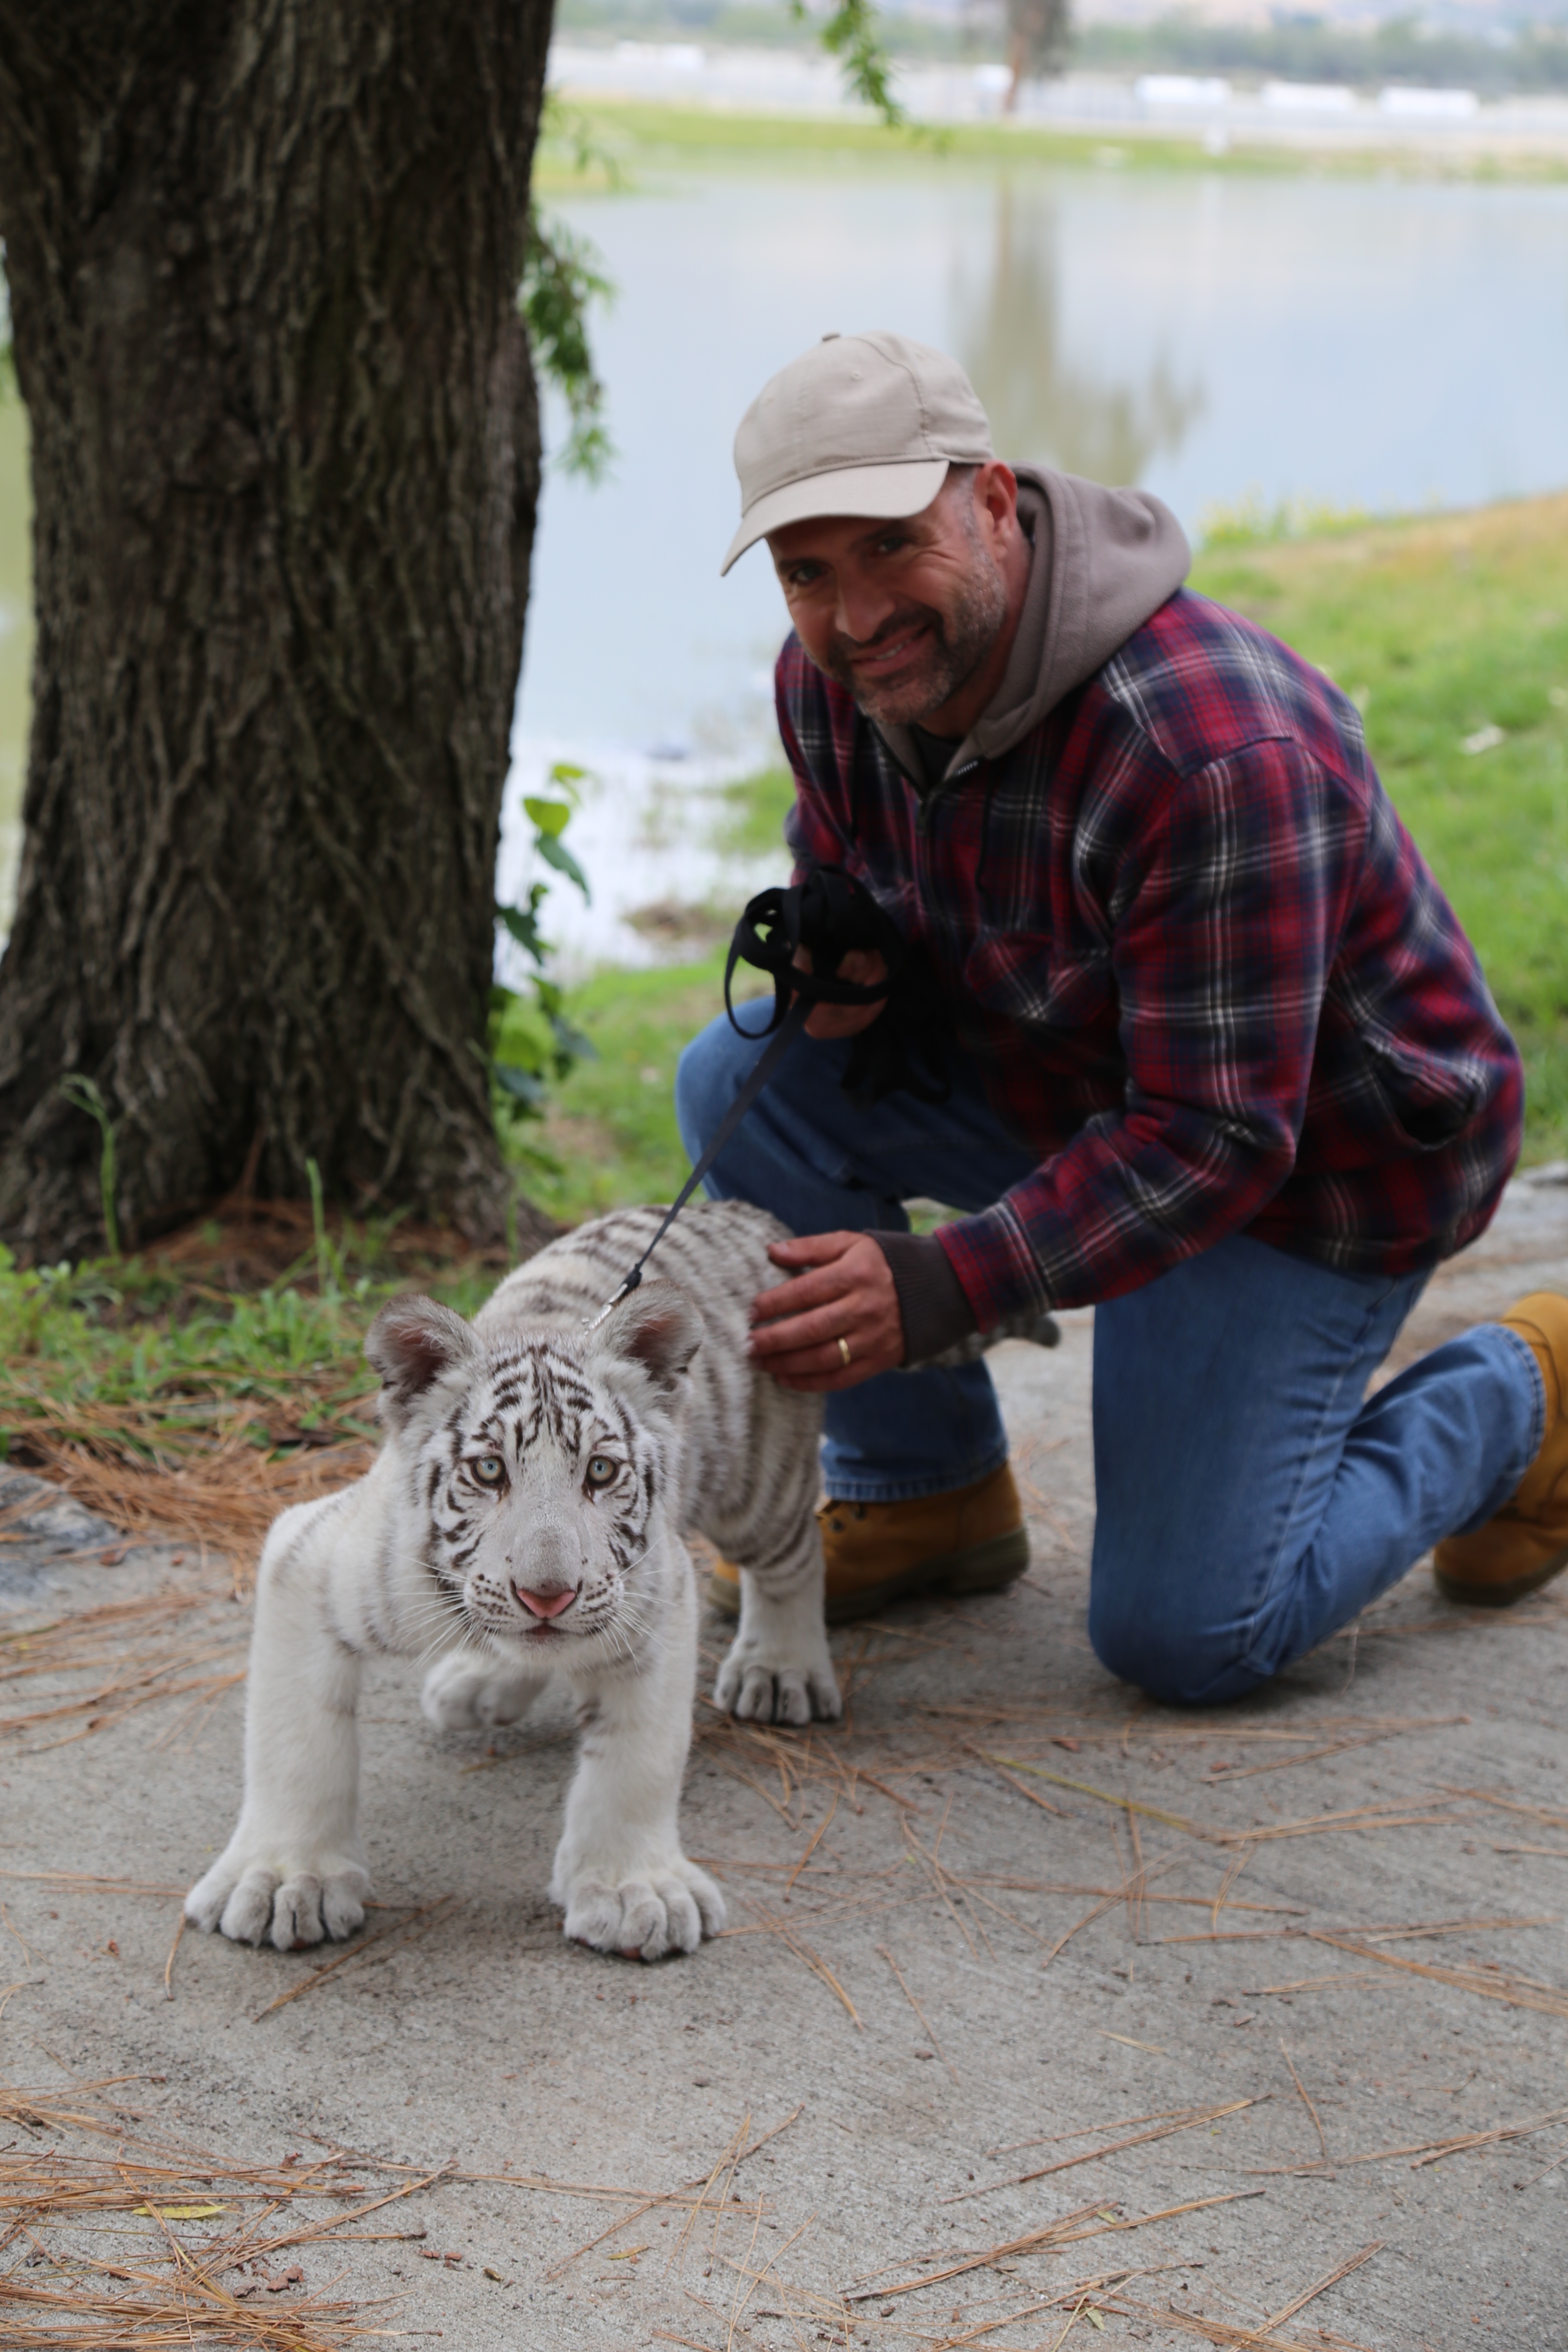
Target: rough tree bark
x=264 y=261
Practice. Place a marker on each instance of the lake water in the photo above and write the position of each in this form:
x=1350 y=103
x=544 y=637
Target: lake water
x=1386 y=343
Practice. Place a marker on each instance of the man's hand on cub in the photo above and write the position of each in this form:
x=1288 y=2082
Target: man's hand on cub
x=846 y=1295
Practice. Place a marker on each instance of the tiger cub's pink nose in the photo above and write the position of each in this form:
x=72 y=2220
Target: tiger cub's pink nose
x=546 y=1604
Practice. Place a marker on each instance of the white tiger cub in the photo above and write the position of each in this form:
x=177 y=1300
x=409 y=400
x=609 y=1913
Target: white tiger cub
x=525 y=1518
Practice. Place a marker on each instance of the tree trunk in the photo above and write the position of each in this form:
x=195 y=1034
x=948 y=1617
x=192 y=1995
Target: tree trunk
x=264 y=261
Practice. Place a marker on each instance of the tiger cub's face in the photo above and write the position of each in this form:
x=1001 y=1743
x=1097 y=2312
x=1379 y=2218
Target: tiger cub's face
x=539 y=1466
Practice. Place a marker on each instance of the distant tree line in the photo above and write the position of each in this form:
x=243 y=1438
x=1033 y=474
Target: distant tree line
x=1311 y=48
x=1037 y=34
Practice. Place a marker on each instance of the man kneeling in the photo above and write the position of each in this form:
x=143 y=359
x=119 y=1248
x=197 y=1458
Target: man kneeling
x=1223 y=1064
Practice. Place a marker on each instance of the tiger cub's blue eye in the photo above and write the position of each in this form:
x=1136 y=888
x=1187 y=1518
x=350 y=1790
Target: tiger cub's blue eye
x=489 y=1469
x=601 y=1470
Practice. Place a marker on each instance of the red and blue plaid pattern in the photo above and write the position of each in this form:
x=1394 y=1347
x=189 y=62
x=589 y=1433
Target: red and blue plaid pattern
x=1205 y=969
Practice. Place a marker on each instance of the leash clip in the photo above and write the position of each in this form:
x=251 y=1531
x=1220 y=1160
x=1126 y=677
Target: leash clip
x=633 y=1282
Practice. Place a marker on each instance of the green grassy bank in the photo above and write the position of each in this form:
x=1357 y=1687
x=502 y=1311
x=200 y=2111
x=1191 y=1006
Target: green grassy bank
x=1448 y=632
x=612 y=143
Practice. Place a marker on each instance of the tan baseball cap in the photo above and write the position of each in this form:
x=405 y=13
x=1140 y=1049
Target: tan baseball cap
x=860 y=425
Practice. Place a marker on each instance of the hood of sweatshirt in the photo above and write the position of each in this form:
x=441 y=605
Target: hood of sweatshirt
x=1102 y=561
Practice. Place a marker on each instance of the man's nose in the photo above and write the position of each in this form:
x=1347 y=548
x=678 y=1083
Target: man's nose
x=864 y=607
x=553 y=1603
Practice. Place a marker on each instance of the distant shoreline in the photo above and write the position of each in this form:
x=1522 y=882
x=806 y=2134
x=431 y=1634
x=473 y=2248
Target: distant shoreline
x=763 y=106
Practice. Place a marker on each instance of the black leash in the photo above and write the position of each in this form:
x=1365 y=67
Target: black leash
x=829 y=915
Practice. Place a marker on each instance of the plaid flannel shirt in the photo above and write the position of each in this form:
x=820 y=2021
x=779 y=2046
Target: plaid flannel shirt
x=1205 y=970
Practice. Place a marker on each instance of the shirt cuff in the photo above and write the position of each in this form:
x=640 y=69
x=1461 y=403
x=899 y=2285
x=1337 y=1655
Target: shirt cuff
x=995 y=1266
x=933 y=1304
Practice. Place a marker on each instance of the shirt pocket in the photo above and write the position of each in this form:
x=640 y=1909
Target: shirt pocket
x=1432 y=1101
x=1019 y=979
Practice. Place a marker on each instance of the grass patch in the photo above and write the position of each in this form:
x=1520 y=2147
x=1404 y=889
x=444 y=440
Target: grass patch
x=197 y=1388
x=638 y=135
x=752 y=812
x=611 y=1131
x=1451 y=634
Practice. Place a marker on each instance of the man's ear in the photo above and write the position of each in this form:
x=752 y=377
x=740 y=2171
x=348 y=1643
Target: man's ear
x=412 y=1343
x=657 y=1327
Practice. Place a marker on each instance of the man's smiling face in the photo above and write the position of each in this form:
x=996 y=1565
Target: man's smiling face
x=911 y=616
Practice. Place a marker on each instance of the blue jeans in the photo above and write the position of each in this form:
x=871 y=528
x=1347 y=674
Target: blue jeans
x=1251 y=1499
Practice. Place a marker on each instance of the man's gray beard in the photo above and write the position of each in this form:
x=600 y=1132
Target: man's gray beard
x=961 y=641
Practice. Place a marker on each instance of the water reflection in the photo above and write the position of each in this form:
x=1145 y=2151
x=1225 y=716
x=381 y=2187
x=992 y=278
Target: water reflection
x=1043 y=405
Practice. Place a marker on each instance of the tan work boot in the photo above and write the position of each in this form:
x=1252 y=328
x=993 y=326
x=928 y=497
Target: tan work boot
x=970 y=1540
x=1525 y=1544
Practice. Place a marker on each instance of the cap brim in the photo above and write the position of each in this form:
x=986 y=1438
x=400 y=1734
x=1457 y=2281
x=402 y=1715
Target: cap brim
x=885 y=493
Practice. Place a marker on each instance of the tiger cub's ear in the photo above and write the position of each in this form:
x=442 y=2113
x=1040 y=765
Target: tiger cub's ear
x=412 y=1342
x=657 y=1327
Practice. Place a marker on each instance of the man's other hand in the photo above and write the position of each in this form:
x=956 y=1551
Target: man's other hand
x=846 y=1295
x=866 y=967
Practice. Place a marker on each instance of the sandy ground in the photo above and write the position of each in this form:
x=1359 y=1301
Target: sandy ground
x=1329 y=1948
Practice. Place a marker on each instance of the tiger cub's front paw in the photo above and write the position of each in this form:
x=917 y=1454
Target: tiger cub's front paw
x=645 y=1918
x=279 y=1898
x=465 y=1693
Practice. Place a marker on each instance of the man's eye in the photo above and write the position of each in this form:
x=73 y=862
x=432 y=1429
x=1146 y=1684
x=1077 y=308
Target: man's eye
x=489 y=1469
x=601 y=1470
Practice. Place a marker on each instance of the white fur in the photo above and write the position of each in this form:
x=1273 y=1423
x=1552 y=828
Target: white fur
x=387 y=1566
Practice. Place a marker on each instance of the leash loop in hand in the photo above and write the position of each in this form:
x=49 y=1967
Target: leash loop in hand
x=830 y=915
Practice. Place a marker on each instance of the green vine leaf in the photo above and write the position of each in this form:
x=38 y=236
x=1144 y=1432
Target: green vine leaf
x=552 y=817
x=555 y=853
x=563 y=274
x=852 y=34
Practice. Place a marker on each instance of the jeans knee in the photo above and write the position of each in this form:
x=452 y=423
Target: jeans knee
x=1167 y=1652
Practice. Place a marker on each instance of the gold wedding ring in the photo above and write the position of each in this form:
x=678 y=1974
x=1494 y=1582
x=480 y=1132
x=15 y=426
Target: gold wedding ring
x=843 y=1346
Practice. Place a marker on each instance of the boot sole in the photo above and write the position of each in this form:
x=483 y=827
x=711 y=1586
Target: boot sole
x=1499 y=1596
x=988 y=1567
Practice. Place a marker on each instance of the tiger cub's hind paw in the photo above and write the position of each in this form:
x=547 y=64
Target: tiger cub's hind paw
x=779 y=1669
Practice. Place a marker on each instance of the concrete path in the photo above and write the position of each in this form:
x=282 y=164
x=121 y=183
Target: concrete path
x=1163 y=2021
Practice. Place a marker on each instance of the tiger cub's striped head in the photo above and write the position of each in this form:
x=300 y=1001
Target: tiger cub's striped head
x=536 y=1466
